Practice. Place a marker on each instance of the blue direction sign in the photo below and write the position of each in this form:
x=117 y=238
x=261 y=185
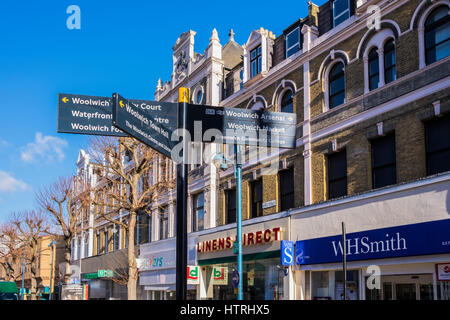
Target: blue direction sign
x=150 y=122
x=242 y=126
x=86 y=115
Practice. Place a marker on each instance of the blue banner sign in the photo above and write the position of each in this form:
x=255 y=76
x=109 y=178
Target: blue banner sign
x=401 y=241
x=287 y=253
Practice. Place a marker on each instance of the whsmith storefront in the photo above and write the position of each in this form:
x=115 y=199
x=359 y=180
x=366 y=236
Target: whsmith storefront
x=399 y=236
x=263 y=276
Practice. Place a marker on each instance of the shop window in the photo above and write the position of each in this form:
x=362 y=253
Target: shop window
x=443 y=290
x=286 y=189
x=293 y=42
x=437 y=145
x=164 y=223
x=437 y=35
x=287 y=102
x=337 y=174
x=256 y=198
x=262 y=280
x=231 y=205
x=374 y=69
x=383 y=162
x=389 y=61
x=336 y=85
x=255 y=61
x=198 y=216
x=341 y=11
x=329 y=285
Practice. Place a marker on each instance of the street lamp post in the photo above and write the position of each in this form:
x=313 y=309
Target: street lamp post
x=23 y=274
x=238 y=173
x=51 y=269
x=220 y=161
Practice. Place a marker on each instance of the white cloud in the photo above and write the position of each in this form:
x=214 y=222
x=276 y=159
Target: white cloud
x=10 y=184
x=44 y=147
x=4 y=143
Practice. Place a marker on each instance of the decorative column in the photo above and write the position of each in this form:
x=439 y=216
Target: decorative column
x=380 y=52
x=422 y=60
x=309 y=34
x=366 y=74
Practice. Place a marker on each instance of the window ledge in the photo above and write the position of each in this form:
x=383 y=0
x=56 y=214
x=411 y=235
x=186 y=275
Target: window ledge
x=256 y=78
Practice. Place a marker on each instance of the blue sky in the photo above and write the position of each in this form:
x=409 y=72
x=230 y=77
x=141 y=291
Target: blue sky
x=123 y=46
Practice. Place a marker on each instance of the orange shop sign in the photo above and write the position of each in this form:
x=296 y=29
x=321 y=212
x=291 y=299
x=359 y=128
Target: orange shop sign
x=250 y=238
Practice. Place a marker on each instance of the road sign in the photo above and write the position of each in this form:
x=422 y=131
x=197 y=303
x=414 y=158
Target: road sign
x=242 y=126
x=150 y=122
x=86 y=115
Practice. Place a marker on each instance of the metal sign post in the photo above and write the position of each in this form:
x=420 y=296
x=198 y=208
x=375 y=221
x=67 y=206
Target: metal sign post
x=182 y=190
x=344 y=260
x=237 y=151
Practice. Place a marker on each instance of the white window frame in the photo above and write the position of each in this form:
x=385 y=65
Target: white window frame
x=377 y=41
x=326 y=106
x=281 y=95
x=197 y=90
x=421 y=31
x=297 y=43
x=342 y=13
x=260 y=56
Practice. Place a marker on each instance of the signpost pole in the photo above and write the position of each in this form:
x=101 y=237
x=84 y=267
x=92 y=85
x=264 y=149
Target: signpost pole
x=344 y=260
x=239 y=217
x=182 y=189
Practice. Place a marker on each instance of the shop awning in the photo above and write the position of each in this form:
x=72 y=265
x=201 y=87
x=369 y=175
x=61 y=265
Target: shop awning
x=245 y=257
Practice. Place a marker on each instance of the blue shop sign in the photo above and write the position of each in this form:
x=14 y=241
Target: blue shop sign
x=287 y=253
x=408 y=240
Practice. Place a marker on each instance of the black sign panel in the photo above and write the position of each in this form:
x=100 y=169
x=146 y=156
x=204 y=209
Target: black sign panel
x=150 y=122
x=242 y=126
x=86 y=115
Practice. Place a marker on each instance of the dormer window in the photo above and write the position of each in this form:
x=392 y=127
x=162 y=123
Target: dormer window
x=292 y=42
x=255 y=61
x=258 y=53
x=341 y=11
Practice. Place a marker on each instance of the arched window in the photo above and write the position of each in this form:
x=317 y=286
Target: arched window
x=337 y=85
x=437 y=35
x=374 y=69
x=389 y=61
x=287 y=104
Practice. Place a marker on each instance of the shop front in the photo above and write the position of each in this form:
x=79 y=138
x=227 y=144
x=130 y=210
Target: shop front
x=264 y=278
x=157 y=269
x=105 y=275
x=397 y=246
